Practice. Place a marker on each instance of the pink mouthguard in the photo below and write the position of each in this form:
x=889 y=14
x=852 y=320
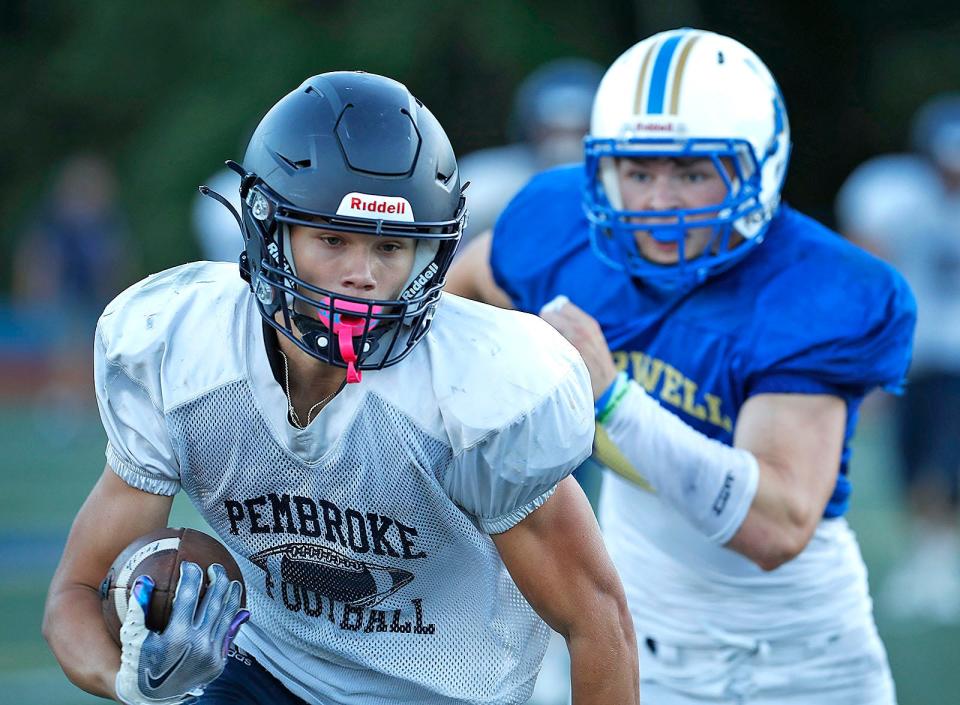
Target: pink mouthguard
x=347 y=327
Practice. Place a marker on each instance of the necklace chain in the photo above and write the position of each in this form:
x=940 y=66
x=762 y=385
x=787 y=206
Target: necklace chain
x=294 y=418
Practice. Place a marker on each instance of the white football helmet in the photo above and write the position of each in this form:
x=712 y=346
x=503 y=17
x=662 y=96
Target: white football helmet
x=683 y=94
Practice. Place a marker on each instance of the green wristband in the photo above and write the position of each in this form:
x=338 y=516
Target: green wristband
x=619 y=391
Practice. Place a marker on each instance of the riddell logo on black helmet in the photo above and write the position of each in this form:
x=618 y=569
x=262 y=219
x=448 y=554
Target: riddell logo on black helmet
x=421 y=281
x=365 y=205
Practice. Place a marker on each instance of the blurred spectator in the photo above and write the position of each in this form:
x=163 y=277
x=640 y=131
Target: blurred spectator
x=215 y=229
x=906 y=209
x=71 y=261
x=74 y=257
x=551 y=114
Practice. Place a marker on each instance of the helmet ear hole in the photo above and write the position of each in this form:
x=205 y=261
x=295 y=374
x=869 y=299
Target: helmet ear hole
x=261 y=207
x=264 y=292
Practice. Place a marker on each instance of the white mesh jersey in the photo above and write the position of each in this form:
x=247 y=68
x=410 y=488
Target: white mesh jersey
x=364 y=539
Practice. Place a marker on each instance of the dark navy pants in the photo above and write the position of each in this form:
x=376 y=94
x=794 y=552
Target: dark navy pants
x=246 y=682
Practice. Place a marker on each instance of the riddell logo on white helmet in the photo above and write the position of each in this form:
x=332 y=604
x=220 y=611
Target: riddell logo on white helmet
x=365 y=205
x=673 y=126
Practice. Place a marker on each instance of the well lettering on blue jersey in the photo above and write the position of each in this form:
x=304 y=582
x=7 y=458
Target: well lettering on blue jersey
x=666 y=382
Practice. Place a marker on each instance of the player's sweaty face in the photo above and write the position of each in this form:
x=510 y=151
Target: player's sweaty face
x=354 y=264
x=665 y=184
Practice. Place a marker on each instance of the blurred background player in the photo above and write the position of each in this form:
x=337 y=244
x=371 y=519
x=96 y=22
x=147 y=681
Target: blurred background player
x=906 y=209
x=549 y=119
x=74 y=256
x=551 y=115
x=730 y=341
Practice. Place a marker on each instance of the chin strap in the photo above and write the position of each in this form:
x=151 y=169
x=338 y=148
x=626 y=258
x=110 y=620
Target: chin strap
x=346 y=328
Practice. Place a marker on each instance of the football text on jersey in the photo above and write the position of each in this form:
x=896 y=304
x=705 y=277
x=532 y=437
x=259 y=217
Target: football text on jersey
x=324 y=580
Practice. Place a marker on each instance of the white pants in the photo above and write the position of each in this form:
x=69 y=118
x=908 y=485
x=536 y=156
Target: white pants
x=846 y=669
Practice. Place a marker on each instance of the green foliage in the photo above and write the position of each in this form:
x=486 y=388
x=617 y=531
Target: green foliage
x=168 y=91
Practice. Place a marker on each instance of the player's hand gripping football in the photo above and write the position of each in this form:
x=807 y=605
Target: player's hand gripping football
x=584 y=333
x=173 y=666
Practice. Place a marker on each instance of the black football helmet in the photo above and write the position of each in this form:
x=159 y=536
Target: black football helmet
x=349 y=152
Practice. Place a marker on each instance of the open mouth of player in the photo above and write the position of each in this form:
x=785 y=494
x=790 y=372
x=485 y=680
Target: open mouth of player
x=667 y=247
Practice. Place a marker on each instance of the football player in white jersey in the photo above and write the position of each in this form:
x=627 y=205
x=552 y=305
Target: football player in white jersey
x=388 y=464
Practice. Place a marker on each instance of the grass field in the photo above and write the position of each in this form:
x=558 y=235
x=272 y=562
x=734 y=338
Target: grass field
x=50 y=465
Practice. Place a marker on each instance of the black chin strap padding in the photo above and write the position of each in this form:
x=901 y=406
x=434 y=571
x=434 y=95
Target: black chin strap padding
x=245 y=267
x=306 y=324
x=316 y=335
x=319 y=342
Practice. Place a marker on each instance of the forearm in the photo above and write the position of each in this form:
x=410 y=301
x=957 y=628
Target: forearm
x=762 y=498
x=557 y=558
x=76 y=632
x=708 y=482
x=604 y=665
x=471 y=275
x=780 y=522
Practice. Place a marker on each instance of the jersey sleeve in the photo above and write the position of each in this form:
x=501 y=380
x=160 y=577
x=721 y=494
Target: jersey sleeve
x=138 y=443
x=512 y=469
x=843 y=329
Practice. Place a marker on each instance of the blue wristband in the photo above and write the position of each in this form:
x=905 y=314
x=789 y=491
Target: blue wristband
x=601 y=404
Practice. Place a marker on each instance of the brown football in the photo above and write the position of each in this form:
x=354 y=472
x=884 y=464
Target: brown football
x=159 y=554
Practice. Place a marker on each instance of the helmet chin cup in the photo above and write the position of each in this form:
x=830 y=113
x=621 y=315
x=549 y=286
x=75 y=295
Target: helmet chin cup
x=350 y=320
x=321 y=339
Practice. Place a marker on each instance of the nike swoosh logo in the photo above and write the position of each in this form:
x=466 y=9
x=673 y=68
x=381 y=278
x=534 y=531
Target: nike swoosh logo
x=156 y=682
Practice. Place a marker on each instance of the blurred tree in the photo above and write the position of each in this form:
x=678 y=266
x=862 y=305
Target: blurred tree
x=170 y=90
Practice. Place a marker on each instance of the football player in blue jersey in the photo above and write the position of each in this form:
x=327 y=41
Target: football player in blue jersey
x=730 y=341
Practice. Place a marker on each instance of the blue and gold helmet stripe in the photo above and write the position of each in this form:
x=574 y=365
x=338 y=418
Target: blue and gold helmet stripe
x=661 y=68
x=638 y=101
x=656 y=93
x=678 y=72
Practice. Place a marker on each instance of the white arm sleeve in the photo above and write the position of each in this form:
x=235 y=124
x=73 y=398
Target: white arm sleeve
x=138 y=444
x=513 y=470
x=709 y=483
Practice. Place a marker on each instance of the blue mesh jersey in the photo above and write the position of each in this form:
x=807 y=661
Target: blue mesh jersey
x=806 y=312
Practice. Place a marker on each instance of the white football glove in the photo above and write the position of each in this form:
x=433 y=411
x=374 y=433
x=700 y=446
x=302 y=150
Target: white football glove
x=173 y=666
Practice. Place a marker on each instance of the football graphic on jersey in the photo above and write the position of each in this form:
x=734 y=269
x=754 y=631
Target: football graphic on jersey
x=333 y=575
x=159 y=555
